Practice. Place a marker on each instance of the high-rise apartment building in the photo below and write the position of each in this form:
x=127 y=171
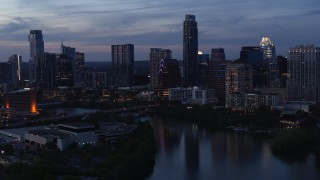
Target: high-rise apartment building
x=48 y=71
x=254 y=56
x=123 y=64
x=217 y=74
x=64 y=71
x=156 y=55
x=79 y=70
x=238 y=79
x=303 y=73
x=36 y=53
x=217 y=79
x=190 y=51
x=13 y=69
x=169 y=76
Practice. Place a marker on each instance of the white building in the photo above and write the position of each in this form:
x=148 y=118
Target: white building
x=62 y=135
x=250 y=101
x=193 y=95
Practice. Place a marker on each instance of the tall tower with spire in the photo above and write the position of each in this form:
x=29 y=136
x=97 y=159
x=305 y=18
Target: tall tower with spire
x=270 y=65
x=269 y=50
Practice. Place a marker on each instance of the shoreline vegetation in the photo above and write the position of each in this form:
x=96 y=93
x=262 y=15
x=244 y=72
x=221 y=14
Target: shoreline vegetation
x=290 y=145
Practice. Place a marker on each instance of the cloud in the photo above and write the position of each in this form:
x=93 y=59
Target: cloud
x=92 y=26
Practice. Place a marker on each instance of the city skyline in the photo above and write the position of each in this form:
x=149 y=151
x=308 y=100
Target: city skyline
x=93 y=27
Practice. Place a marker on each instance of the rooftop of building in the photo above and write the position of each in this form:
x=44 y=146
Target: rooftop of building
x=122 y=130
x=76 y=125
x=50 y=133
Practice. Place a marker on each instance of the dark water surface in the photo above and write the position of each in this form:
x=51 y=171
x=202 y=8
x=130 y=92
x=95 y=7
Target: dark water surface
x=189 y=153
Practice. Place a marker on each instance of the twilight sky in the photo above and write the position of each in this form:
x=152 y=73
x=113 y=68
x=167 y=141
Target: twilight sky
x=92 y=26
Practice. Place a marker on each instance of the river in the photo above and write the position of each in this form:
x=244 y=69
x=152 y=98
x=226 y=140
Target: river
x=186 y=152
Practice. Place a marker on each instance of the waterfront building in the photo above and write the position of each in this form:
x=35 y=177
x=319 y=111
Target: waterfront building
x=238 y=79
x=217 y=78
x=303 y=73
x=123 y=65
x=157 y=55
x=190 y=51
x=169 y=76
x=36 y=53
x=194 y=95
x=251 y=100
x=62 y=135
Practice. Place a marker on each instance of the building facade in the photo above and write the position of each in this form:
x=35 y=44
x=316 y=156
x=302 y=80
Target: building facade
x=193 y=95
x=79 y=70
x=251 y=101
x=169 y=76
x=36 y=53
x=190 y=51
x=217 y=79
x=238 y=79
x=157 y=55
x=303 y=73
x=270 y=63
x=14 y=69
x=123 y=65
x=64 y=71
x=218 y=54
x=254 y=56
x=48 y=71
x=21 y=100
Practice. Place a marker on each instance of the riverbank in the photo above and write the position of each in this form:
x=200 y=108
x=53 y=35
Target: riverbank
x=287 y=143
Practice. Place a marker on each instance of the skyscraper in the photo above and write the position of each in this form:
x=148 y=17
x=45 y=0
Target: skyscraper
x=48 y=71
x=123 y=64
x=269 y=50
x=270 y=65
x=36 y=53
x=303 y=73
x=169 y=76
x=217 y=74
x=190 y=51
x=70 y=52
x=64 y=71
x=218 y=54
x=13 y=69
x=156 y=55
x=238 y=79
x=79 y=71
x=254 y=56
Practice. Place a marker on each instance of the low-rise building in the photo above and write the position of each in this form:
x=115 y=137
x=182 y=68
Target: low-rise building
x=193 y=95
x=250 y=101
x=63 y=135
